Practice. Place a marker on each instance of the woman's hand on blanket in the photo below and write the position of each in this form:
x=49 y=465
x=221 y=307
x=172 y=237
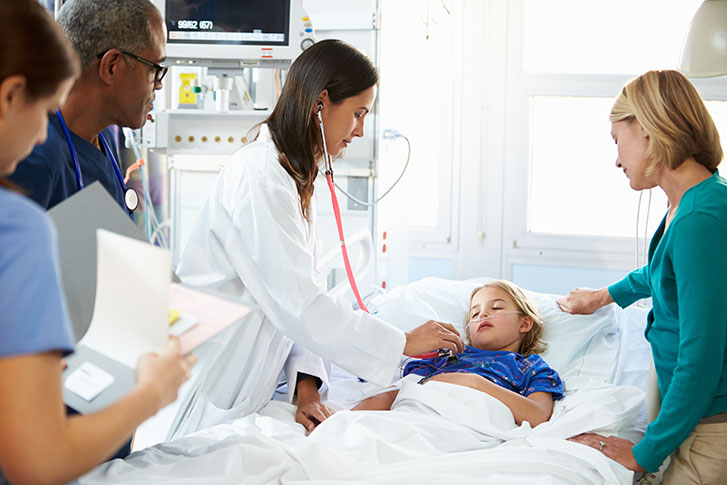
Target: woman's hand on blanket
x=432 y=336
x=617 y=449
x=161 y=375
x=584 y=301
x=311 y=411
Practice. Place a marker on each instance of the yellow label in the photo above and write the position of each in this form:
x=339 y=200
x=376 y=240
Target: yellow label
x=186 y=91
x=173 y=315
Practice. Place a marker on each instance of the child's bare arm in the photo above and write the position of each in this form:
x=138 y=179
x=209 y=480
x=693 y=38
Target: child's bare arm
x=379 y=402
x=535 y=408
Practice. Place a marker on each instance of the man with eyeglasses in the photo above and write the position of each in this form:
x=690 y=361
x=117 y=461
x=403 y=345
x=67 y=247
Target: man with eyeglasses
x=121 y=45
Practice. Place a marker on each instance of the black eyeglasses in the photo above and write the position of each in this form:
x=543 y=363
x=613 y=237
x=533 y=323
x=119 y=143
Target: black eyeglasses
x=159 y=70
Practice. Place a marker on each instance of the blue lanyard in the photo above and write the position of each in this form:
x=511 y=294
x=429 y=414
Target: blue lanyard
x=74 y=156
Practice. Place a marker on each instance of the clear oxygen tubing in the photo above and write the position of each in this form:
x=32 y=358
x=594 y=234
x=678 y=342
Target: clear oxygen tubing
x=646 y=230
x=447 y=352
x=337 y=214
x=490 y=317
x=644 y=255
x=638 y=226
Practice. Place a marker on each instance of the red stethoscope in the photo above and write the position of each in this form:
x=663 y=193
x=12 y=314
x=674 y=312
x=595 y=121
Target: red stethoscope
x=337 y=213
x=339 y=224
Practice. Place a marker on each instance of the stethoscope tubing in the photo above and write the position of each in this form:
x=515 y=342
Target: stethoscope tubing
x=77 y=165
x=74 y=155
x=337 y=216
x=72 y=150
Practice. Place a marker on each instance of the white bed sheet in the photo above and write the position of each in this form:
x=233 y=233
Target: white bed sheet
x=436 y=432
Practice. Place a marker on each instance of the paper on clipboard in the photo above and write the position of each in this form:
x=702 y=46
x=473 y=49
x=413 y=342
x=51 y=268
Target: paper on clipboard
x=131 y=313
x=213 y=314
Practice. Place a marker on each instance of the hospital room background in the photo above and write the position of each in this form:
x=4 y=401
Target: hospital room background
x=489 y=140
x=487 y=154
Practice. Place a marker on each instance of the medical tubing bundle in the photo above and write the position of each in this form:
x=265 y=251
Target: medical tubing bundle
x=147 y=229
x=152 y=226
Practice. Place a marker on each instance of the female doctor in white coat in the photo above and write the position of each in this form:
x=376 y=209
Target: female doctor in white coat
x=256 y=239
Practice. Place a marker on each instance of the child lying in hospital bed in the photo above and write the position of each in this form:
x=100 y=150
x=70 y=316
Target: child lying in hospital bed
x=504 y=331
x=437 y=432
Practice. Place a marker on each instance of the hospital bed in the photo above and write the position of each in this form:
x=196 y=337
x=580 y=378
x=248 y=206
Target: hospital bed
x=438 y=432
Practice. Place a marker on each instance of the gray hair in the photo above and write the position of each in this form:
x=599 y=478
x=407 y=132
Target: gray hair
x=95 y=26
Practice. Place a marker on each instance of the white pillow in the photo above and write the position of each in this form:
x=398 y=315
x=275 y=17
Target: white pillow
x=578 y=345
x=404 y=312
x=445 y=300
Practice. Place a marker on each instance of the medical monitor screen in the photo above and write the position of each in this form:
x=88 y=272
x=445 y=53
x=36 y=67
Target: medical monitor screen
x=232 y=22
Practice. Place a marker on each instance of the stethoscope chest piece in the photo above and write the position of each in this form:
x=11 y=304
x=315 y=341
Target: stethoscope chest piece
x=132 y=199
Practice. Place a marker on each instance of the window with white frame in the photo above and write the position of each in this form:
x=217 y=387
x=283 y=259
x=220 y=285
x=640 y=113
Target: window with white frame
x=419 y=59
x=576 y=55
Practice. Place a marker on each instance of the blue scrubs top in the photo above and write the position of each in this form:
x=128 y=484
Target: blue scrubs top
x=49 y=177
x=34 y=315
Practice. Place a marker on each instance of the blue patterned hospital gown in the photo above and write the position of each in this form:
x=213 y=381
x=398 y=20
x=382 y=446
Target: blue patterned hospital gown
x=524 y=375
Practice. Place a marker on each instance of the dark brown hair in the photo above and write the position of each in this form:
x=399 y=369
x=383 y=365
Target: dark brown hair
x=32 y=45
x=332 y=65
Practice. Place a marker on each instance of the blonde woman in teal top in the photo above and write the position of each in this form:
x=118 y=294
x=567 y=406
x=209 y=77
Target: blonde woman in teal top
x=667 y=139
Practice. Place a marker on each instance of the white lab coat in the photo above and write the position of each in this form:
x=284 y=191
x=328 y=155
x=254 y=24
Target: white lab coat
x=251 y=241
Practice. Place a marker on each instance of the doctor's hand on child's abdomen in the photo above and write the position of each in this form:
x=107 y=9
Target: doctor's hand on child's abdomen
x=432 y=336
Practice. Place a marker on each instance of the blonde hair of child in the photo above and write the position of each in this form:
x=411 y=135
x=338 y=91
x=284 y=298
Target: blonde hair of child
x=532 y=342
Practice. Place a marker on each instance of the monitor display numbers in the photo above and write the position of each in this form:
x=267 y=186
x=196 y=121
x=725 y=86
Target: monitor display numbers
x=236 y=22
x=195 y=24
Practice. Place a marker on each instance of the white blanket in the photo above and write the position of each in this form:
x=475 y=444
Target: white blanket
x=436 y=433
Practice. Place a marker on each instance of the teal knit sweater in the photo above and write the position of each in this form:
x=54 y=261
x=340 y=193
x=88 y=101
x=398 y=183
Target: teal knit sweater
x=686 y=276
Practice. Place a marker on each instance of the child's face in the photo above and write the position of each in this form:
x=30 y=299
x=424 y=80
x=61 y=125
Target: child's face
x=496 y=323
